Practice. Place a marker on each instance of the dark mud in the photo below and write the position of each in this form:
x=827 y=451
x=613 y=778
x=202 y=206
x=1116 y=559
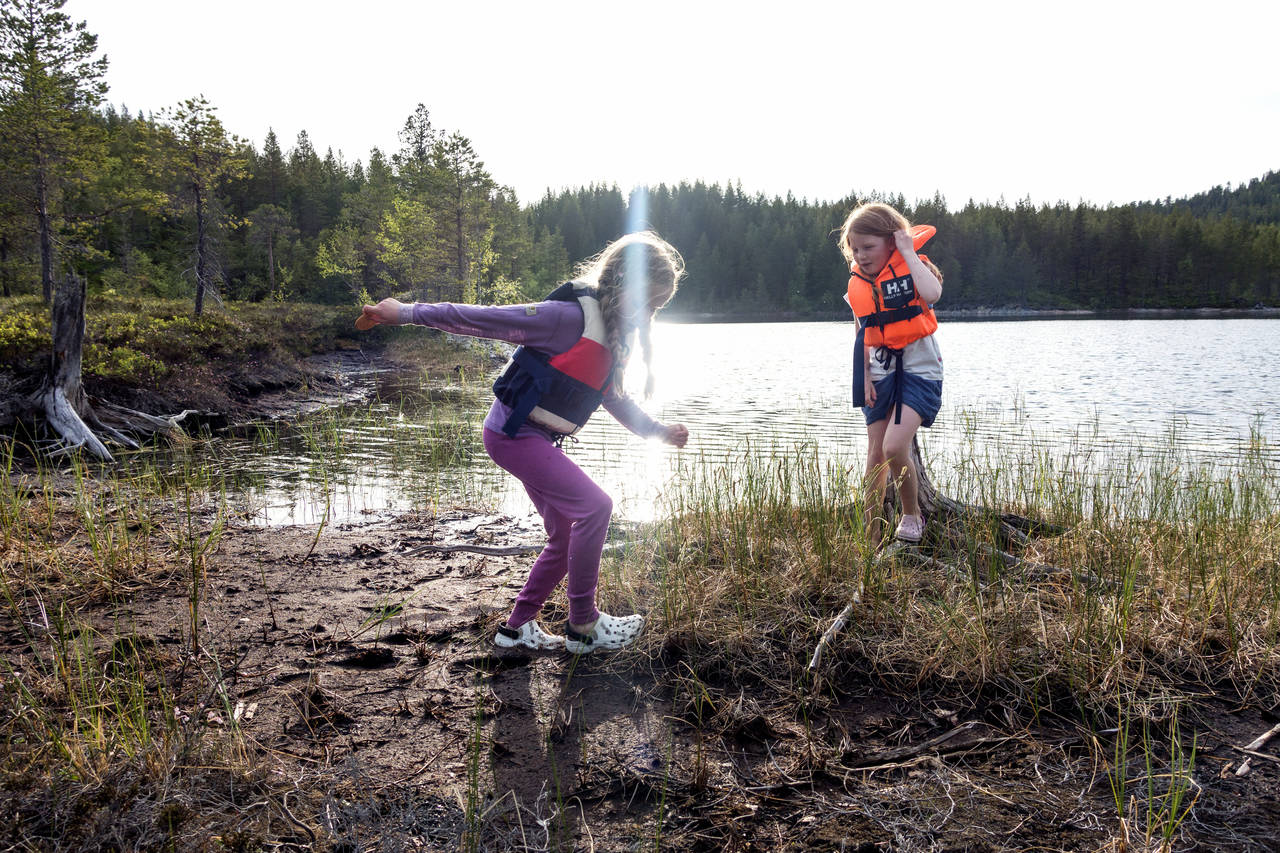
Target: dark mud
x=367 y=679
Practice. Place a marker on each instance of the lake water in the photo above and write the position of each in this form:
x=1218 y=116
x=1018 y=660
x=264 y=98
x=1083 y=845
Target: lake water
x=1207 y=385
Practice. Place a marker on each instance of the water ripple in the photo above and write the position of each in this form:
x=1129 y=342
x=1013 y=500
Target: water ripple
x=1097 y=388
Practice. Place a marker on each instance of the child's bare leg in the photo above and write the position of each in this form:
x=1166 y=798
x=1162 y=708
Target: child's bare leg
x=875 y=480
x=897 y=450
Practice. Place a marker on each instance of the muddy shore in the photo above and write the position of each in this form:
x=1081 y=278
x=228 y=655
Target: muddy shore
x=360 y=675
x=364 y=675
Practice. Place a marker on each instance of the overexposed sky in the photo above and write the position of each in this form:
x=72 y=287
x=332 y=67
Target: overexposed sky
x=1104 y=102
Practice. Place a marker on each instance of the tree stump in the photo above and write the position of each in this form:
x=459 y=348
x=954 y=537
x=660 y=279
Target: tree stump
x=945 y=517
x=61 y=397
x=61 y=400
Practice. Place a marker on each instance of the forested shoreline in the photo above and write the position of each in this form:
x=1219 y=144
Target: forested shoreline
x=171 y=205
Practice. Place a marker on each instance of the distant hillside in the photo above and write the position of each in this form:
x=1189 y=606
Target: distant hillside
x=1257 y=202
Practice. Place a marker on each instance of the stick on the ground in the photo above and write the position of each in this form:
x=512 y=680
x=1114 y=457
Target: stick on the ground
x=1264 y=737
x=831 y=632
x=933 y=743
x=1256 y=744
x=488 y=550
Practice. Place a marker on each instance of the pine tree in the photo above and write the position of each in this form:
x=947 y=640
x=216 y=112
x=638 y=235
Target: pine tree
x=49 y=80
x=461 y=205
x=271 y=172
x=205 y=158
x=269 y=227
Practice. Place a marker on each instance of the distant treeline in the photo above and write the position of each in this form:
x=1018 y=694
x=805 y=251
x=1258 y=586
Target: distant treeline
x=172 y=205
x=756 y=254
x=1257 y=202
x=428 y=222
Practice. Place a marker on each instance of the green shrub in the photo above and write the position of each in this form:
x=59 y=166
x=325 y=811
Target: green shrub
x=122 y=364
x=136 y=339
x=23 y=334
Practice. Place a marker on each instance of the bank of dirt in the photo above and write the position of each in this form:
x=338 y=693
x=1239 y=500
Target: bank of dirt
x=351 y=679
x=375 y=714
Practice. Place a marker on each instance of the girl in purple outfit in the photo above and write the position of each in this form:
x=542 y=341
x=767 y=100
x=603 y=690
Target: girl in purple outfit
x=573 y=350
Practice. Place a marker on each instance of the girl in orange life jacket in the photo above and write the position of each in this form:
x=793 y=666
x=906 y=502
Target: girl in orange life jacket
x=575 y=346
x=897 y=368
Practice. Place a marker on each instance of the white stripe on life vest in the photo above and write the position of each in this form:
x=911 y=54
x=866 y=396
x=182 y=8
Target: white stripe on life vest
x=552 y=421
x=592 y=319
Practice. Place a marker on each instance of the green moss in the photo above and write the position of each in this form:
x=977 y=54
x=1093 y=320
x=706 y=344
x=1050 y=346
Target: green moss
x=138 y=340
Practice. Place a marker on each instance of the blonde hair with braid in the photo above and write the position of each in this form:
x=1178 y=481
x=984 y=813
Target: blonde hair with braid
x=634 y=276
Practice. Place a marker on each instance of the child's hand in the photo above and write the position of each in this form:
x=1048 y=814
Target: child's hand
x=903 y=243
x=386 y=312
x=871 y=390
x=677 y=435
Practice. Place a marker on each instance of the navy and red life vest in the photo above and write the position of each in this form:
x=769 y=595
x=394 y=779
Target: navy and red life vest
x=560 y=392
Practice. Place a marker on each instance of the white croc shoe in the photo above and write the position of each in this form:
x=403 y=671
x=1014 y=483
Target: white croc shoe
x=528 y=636
x=609 y=632
x=910 y=529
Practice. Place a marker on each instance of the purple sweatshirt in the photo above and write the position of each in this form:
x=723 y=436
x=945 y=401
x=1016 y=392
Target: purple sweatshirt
x=548 y=326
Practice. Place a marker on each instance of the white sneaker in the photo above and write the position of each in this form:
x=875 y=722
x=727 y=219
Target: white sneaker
x=528 y=636
x=609 y=632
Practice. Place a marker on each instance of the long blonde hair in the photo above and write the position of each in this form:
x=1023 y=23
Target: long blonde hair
x=879 y=220
x=634 y=276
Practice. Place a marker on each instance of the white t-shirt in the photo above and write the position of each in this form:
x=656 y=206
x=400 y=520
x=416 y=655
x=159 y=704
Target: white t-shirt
x=922 y=358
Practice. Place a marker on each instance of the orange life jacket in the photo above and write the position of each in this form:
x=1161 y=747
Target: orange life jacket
x=888 y=309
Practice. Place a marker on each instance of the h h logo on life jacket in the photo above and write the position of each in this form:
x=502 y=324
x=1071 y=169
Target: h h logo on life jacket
x=559 y=392
x=890 y=315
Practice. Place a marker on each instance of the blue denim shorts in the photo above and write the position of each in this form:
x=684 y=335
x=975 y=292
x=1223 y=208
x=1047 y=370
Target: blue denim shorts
x=923 y=396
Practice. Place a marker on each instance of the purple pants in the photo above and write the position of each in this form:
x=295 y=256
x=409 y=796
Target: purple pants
x=575 y=512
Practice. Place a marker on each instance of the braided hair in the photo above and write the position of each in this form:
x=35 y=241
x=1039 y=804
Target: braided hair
x=634 y=276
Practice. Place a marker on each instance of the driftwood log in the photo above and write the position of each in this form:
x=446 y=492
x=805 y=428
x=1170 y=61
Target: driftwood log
x=61 y=401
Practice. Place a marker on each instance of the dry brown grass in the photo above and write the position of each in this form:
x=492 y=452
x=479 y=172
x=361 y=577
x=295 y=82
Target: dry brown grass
x=1127 y=618
x=749 y=574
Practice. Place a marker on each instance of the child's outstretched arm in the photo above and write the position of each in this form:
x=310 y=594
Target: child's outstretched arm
x=550 y=326
x=928 y=287
x=628 y=413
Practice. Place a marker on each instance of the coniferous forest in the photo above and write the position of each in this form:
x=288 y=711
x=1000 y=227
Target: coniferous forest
x=170 y=204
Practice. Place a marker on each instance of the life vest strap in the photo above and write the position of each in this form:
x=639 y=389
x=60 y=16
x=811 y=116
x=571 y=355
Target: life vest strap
x=880 y=319
x=541 y=376
x=859 y=369
x=885 y=356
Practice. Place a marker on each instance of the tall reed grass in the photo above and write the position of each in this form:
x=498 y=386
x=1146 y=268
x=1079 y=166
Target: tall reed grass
x=87 y=701
x=1168 y=574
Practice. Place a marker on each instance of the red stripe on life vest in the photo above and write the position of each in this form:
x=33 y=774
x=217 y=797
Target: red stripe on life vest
x=587 y=361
